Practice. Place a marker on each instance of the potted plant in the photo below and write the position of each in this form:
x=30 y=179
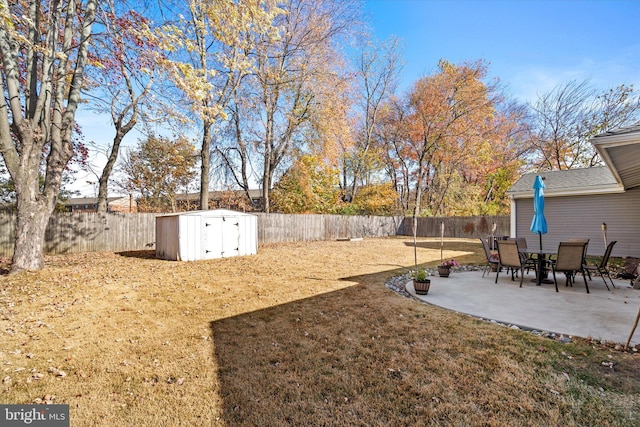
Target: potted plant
x=421 y=282
x=444 y=269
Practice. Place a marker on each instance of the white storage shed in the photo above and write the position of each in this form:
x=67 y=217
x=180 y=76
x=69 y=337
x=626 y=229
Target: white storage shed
x=199 y=235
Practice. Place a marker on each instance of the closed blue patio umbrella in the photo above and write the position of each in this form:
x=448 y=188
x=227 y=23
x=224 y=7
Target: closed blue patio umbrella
x=539 y=223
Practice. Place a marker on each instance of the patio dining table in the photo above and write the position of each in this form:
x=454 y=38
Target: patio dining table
x=542 y=273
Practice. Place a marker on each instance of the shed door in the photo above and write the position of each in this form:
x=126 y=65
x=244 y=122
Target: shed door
x=221 y=237
x=230 y=236
x=212 y=238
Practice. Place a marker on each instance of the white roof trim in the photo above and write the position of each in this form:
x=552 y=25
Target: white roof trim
x=604 y=189
x=209 y=213
x=603 y=142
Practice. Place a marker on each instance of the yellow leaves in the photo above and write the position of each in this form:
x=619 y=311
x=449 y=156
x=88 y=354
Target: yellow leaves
x=308 y=186
x=218 y=35
x=376 y=199
x=170 y=38
x=8 y=18
x=192 y=81
x=94 y=61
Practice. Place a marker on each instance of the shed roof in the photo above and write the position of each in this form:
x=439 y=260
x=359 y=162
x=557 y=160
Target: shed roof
x=573 y=182
x=210 y=213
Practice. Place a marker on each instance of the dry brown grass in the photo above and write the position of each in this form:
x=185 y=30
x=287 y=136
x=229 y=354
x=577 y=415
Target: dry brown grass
x=299 y=334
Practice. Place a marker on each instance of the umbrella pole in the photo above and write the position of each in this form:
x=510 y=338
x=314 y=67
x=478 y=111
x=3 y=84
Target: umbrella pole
x=540 y=235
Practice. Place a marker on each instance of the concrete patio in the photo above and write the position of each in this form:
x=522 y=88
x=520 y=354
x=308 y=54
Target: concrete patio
x=601 y=314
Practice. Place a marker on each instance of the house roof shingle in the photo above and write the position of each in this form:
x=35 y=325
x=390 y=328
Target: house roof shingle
x=568 y=182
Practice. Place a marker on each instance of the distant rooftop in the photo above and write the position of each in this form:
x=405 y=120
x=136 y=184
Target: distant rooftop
x=218 y=194
x=91 y=200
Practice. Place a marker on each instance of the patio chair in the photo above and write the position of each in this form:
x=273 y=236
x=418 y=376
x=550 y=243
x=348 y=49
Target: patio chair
x=584 y=255
x=508 y=256
x=603 y=267
x=492 y=258
x=569 y=261
x=531 y=261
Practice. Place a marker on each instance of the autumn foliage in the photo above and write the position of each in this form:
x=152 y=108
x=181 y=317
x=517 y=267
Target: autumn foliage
x=309 y=186
x=159 y=169
x=448 y=139
x=295 y=98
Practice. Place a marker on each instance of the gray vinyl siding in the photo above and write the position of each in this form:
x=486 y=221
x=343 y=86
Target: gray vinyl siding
x=581 y=217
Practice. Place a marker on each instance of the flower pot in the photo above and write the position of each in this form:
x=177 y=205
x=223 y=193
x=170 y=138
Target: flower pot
x=444 y=271
x=421 y=286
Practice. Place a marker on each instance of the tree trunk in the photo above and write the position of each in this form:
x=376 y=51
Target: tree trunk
x=42 y=127
x=205 y=157
x=266 y=178
x=121 y=132
x=31 y=225
x=242 y=152
x=106 y=173
x=268 y=155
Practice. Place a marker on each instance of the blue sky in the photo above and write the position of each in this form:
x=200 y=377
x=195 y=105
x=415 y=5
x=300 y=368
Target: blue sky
x=531 y=46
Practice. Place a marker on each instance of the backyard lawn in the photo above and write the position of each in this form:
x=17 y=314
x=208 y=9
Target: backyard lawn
x=299 y=334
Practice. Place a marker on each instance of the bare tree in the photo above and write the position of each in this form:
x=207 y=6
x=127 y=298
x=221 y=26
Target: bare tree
x=121 y=78
x=560 y=117
x=567 y=117
x=378 y=67
x=274 y=110
x=392 y=135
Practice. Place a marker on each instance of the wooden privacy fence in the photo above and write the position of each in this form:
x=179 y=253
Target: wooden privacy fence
x=291 y=228
x=87 y=232
x=458 y=226
x=116 y=232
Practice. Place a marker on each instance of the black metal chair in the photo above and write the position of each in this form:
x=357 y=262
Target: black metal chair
x=569 y=261
x=492 y=259
x=509 y=256
x=603 y=267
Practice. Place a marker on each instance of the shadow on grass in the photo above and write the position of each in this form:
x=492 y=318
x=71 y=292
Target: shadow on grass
x=356 y=356
x=142 y=254
x=365 y=356
x=323 y=360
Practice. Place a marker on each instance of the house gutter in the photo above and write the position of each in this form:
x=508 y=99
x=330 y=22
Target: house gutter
x=585 y=191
